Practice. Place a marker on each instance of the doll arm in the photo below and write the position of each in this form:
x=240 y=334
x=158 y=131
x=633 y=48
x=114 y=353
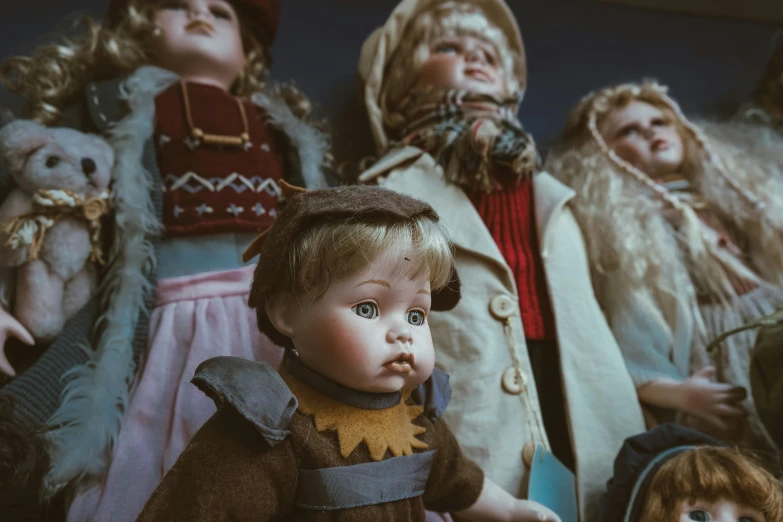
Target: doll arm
x=227 y=472
x=496 y=504
x=697 y=395
x=456 y=483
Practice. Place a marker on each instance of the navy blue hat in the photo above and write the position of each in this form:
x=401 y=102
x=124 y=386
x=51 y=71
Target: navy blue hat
x=639 y=460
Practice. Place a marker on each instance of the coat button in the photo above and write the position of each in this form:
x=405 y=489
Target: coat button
x=501 y=307
x=513 y=383
x=528 y=452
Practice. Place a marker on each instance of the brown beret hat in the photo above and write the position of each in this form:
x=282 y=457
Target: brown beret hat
x=303 y=209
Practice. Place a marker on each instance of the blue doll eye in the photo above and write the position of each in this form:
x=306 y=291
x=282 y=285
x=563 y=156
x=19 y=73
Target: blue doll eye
x=631 y=130
x=446 y=48
x=416 y=317
x=746 y=519
x=220 y=12
x=699 y=515
x=366 y=310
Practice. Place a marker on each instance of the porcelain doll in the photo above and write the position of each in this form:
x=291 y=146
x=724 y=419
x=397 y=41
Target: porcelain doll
x=684 y=229
x=442 y=84
x=201 y=146
x=349 y=429
x=673 y=474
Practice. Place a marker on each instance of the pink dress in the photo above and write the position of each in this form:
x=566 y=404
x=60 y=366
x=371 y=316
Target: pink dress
x=215 y=201
x=195 y=318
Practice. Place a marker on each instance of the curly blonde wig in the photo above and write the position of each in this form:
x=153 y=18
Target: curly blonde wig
x=446 y=19
x=621 y=209
x=56 y=74
x=710 y=474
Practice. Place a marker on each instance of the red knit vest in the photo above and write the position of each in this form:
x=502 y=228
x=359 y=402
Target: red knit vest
x=509 y=215
x=208 y=188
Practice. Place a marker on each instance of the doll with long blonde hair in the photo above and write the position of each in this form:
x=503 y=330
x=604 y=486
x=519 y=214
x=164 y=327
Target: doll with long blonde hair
x=178 y=89
x=684 y=230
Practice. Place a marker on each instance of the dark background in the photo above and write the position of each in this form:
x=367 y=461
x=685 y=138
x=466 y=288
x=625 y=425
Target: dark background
x=573 y=46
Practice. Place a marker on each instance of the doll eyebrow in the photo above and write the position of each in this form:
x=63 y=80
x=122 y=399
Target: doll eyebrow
x=375 y=282
x=423 y=291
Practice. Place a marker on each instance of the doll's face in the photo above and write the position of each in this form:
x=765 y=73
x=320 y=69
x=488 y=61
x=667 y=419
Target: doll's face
x=200 y=40
x=369 y=331
x=644 y=136
x=463 y=62
x=719 y=511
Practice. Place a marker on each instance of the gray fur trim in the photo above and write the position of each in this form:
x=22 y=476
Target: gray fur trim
x=309 y=143
x=87 y=423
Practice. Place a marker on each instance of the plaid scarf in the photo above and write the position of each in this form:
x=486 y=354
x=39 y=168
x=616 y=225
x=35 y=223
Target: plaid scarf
x=467 y=133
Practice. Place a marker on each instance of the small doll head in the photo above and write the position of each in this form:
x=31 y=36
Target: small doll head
x=440 y=45
x=347 y=278
x=713 y=484
x=452 y=45
x=223 y=42
x=644 y=133
x=674 y=474
x=639 y=126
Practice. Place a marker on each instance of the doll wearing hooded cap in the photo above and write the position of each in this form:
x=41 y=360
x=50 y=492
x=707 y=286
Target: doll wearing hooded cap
x=674 y=474
x=443 y=81
x=201 y=146
x=684 y=228
x=350 y=429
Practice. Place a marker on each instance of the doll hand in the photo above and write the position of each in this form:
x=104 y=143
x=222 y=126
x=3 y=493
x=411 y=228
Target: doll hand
x=710 y=401
x=10 y=327
x=529 y=511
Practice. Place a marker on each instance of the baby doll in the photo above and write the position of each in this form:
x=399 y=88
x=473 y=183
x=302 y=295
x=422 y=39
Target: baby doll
x=673 y=474
x=51 y=223
x=443 y=81
x=350 y=428
x=201 y=145
x=684 y=229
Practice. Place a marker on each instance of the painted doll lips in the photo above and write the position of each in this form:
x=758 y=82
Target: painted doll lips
x=478 y=74
x=660 y=144
x=200 y=25
x=402 y=364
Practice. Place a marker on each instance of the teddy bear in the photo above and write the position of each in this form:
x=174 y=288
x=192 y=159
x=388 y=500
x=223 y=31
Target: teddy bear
x=50 y=223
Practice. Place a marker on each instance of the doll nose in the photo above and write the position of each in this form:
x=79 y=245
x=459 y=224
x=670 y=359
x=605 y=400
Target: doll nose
x=198 y=10
x=400 y=334
x=88 y=166
x=472 y=55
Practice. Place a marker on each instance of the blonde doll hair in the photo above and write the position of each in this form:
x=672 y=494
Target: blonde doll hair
x=584 y=124
x=710 y=474
x=446 y=19
x=332 y=250
x=56 y=74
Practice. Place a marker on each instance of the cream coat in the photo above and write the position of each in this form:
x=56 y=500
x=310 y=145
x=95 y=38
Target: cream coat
x=493 y=426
